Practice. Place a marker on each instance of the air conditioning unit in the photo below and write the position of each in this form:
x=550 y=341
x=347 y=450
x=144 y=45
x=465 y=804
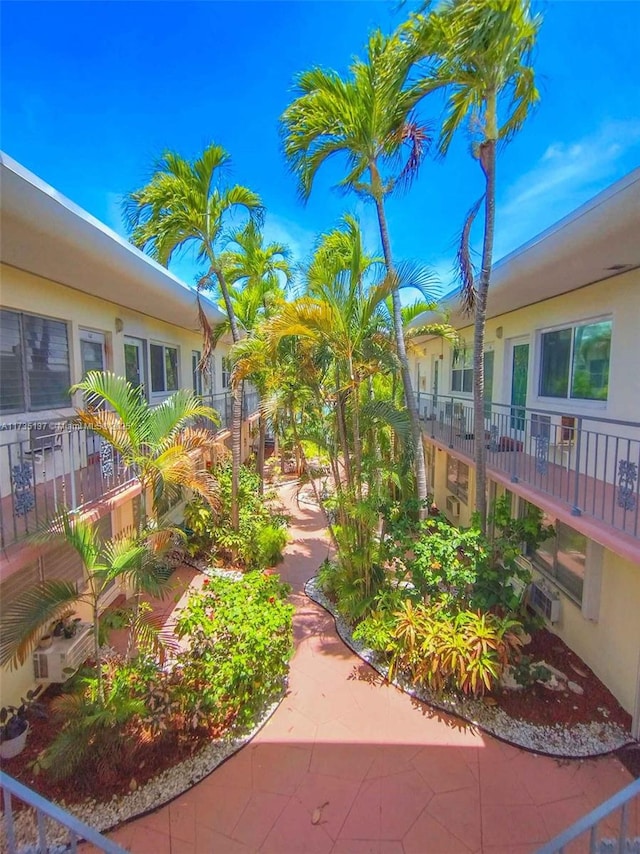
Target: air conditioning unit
x=63 y=656
x=544 y=601
x=453 y=505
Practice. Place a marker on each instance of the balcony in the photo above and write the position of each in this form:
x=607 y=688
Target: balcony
x=587 y=463
x=46 y=465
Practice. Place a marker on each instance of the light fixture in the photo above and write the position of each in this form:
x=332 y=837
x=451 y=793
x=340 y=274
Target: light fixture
x=119 y=324
x=499 y=332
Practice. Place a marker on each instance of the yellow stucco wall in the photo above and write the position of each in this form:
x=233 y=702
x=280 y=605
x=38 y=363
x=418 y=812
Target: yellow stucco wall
x=25 y=292
x=617 y=297
x=610 y=645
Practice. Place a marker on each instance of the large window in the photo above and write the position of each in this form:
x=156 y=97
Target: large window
x=164 y=368
x=458 y=478
x=462 y=371
x=575 y=361
x=562 y=557
x=34 y=363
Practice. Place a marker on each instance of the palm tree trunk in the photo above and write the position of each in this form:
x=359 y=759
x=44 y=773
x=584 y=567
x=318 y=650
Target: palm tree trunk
x=488 y=163
x=236 y=406
x=96 y=647
x=262 y=437
x=410 y=400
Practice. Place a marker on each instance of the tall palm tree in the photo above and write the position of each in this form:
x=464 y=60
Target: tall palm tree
x=481 y=51
x=368 y=120
x=186 y=204
x=257 y=266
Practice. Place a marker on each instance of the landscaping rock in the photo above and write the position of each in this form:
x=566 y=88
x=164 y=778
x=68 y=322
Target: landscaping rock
x=573 y=686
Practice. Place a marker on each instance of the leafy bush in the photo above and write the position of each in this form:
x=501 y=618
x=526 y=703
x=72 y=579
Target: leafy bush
x=466 y=651
x=261 y=536
x=270 y=543
x=240 y=641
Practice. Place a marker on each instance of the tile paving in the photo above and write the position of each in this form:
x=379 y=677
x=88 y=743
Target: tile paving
x=350 y=765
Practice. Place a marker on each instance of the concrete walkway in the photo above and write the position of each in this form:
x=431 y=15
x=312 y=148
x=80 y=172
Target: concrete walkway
x=349 y=765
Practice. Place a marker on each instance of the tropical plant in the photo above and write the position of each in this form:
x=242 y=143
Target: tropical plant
x=186 y=204
x=368 y=120
x=239 y=644
x=126 y=557
x=481 y=52
x=465 y=652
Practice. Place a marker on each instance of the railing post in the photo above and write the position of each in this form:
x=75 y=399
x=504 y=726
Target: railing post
x=451 y=423
x=575 y=510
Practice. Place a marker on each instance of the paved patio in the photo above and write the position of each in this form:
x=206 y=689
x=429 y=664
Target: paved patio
x=350 y=765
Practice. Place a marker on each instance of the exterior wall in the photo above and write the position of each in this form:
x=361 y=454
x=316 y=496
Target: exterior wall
x=610 y=645
x=605 y=630
x=25 y=292
x=617 y=297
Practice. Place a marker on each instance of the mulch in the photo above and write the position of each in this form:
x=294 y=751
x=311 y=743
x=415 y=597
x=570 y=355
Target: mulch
x=539 y=705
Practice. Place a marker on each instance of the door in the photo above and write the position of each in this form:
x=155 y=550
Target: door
x=519 y=383
x=91 y=351
x=134 y=362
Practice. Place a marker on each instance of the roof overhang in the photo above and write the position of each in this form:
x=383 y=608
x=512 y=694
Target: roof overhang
x=594 y=242
x=46 y=234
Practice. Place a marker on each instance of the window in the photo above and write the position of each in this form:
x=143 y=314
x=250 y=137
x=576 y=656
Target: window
x=226 y=371
x=164 y=368
x=35 y=370
x=575 y=361
x=562 y=557
x=458 y=478
x=462 y=371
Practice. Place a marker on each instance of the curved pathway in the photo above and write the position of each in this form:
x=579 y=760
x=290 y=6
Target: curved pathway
x=350 y=765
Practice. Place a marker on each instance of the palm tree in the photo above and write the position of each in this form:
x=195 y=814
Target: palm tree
x=258 y=275
x=49 y=601
x=157 y=443
x=480 y=50
x=367 y=119
x=184 y=204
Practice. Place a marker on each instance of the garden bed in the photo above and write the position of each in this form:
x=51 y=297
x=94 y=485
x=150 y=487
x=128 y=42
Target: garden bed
x=547 y=722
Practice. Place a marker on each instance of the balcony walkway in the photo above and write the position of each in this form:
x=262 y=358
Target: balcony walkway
x=388 y=775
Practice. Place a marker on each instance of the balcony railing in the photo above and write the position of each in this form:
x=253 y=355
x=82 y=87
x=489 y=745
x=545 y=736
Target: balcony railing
x=611 y=827
x=45 y=465
x=51 y=465
x=591 y=464
x=48 y=816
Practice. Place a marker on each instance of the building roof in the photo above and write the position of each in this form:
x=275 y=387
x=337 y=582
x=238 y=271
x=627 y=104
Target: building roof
x=597 y=241
x=44 y=233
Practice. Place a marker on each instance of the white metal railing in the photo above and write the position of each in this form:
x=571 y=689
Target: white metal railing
x=588 y=827
x=76 y=830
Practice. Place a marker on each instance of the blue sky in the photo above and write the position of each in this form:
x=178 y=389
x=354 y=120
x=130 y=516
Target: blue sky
x=92 y=92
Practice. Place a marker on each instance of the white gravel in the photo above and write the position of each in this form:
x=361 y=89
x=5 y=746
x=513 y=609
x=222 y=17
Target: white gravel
x=578 y=742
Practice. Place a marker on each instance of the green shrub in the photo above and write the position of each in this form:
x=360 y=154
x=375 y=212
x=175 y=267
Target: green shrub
x=240 y=641
x=270 y=543
x=261 y=536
